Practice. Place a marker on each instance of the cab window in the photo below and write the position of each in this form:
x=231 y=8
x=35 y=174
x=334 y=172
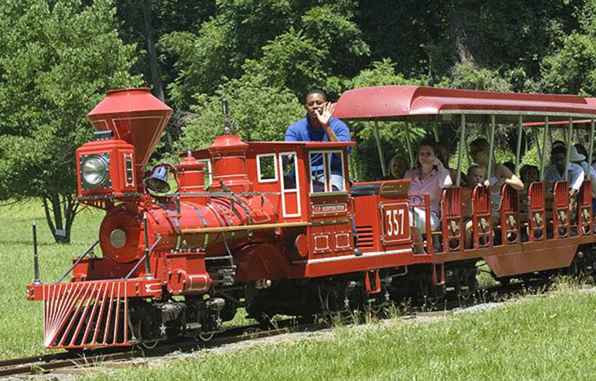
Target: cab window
x=288 y=170
x=208 y=172
x=326 y=171
x=266 y=169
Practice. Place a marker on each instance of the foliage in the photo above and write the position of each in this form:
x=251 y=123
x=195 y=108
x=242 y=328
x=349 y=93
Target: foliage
x=392 y=135
x=288 y=43
x=55 y=64
x=259 y=112
x=572 y=70
x=467 y=75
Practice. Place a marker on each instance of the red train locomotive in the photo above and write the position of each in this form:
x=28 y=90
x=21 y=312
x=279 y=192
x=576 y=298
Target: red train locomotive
x=279 y=228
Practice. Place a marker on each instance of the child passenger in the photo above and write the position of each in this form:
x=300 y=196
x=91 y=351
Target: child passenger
x=476 y=176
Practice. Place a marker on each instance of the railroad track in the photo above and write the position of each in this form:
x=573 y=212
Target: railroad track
x=48 y=363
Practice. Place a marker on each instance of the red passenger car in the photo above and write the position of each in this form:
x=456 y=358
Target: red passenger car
x=280 y=228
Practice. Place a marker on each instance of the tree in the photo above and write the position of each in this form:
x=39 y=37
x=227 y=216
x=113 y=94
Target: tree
x=57 y=60
x=290 y=44
x=258 y=111
x=572 y=68
x=393 y=136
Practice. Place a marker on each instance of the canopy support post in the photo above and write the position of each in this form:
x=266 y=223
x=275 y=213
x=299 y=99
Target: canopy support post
x=460 y=150
x=519 y=144
x=568 y=156
x=379 y=148
x=409 y=145
x=592 y=126
x=491 y=146
x=536 y=132
x=544 y=137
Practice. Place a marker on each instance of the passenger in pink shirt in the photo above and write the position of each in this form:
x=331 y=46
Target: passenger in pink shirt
x=428 y=177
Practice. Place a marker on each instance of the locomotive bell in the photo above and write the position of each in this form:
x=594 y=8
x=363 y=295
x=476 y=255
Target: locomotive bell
x=158 y=181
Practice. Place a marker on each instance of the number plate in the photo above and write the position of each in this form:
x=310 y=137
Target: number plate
x=395 y=223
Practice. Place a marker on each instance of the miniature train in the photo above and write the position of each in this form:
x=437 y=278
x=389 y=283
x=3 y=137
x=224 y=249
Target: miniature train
x=251 y=225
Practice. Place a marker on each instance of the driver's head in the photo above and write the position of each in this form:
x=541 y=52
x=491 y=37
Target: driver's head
x=314 y=100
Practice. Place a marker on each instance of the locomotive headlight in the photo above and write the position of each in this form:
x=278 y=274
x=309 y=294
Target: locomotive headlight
x=94 y=170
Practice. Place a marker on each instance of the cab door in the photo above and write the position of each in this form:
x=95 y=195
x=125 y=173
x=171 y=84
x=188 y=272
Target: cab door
x=330 y=211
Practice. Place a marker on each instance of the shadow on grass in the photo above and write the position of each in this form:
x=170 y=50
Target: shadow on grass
x=29 y=243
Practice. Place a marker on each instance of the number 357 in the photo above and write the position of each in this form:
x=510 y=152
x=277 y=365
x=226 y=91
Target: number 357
x=394 y=222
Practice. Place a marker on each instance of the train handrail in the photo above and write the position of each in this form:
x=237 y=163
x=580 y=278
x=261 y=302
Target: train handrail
x=79 y=259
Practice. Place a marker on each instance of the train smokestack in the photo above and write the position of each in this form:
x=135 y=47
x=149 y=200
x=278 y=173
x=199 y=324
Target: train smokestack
x=135 y=116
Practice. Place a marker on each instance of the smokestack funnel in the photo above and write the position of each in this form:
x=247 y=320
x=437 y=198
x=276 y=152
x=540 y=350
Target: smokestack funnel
x=135 y=116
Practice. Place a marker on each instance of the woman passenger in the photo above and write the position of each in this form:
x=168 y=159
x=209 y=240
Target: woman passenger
x=428 y=177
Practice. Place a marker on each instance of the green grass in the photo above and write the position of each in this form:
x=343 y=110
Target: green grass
x=21 y=321
x=540 y=338
x=546 y=337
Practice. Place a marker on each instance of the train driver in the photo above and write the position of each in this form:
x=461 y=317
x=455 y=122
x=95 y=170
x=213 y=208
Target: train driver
x=319 y=125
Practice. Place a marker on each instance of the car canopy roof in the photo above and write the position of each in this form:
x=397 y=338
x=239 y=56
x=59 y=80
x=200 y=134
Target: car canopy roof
x=420 y=103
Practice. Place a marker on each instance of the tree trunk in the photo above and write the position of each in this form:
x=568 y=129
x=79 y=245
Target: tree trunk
x=60 y=211
x=153 y=65
x=456 y=17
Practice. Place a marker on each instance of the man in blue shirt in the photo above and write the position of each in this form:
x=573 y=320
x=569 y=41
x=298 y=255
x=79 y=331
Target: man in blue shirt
x=320 y=126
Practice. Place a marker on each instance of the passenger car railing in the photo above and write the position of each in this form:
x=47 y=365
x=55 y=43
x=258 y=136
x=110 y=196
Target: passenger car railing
x=561 y=220
x=584 y=212
x=509 y=215
x=452 y=221
x=536 y=212
x=482 y=228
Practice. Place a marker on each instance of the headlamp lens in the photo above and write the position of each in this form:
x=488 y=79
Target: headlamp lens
x=94 y=170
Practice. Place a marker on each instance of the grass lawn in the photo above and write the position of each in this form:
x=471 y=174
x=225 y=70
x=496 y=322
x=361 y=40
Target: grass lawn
x=545 y=337
x=21 y=321
x=539 y=338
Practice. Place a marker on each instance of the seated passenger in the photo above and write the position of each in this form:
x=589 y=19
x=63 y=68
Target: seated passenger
x=428 y=177
x=588 y=169
x=476 y=176
x=443 y=155
x=479 y=151
x=510 y=165
x=529 y=174
x=556 y=170
x=397 y=167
